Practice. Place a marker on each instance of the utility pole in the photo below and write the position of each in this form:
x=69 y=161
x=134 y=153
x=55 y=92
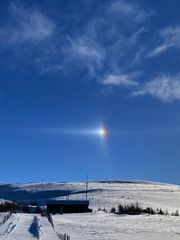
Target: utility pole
x=86 y=187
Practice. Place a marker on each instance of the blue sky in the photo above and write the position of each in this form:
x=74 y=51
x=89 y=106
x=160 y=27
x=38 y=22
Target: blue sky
x=68 y=68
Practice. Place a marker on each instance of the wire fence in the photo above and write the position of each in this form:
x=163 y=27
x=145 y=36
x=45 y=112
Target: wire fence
x=61 y=236
x=5 y=218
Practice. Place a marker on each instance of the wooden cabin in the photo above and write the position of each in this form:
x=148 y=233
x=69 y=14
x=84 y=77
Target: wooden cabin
x=68 y=206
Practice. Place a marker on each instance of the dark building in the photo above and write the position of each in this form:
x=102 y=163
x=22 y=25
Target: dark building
x=68 y=206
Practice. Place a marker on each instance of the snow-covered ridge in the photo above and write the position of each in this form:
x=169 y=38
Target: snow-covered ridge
x=105 y=193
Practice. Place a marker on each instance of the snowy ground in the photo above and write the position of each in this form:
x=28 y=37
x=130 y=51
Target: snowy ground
x=91 y=226
x=100 y=225
x=96 y=225
x=27 y=227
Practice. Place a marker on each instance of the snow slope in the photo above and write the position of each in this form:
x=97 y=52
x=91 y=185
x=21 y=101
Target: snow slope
x=27 y=227
x=100 y=225
x=17 y=227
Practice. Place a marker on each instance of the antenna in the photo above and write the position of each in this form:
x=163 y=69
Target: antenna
x=67 y=196
x=86 y=187
x=68 y=193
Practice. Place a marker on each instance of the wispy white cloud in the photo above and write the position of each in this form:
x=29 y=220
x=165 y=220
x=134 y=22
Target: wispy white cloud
x=164 y=87
x=170 y=37
x=131 y=10
x=87 y=52
x=121 y=80
x=28 y=26
x=110 y=40
x=110 y=46
x=139 y=56
x=136 y=35
x=48 y=68
x=105 y=43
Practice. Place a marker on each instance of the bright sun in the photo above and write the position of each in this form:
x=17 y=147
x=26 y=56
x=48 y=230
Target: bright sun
x=103 y=132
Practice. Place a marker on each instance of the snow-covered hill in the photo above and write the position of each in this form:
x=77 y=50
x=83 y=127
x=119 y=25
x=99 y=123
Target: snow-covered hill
x=100 y=193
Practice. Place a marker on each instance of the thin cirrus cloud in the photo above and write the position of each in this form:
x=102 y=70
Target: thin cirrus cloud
x=112 y=47
x=28 y=26
x=170 y=38
x=121 y=80
x=106 y=45
x=128 y=9
x=88 y=53
x=164 y=87
x=102 y=44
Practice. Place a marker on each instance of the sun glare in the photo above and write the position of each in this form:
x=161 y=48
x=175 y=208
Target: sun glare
x=103 y=132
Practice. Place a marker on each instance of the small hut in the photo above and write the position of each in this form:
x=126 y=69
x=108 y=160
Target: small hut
x=68 y=206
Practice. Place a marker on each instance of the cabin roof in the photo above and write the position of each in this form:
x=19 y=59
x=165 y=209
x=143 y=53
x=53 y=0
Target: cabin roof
x=67 y=202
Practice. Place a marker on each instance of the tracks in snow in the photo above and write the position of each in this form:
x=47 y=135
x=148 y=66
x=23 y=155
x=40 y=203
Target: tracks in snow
x=27 y=227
